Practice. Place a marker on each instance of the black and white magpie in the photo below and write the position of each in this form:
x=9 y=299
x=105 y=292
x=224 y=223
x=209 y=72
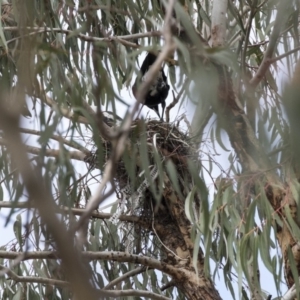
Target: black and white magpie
x=158 y=91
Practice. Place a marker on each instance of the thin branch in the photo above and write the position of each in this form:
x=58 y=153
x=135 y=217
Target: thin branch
x=279 y=57
x=67 y=113
x=176 y=99
x=106 y=131
x=100 y=7
x=238 y=16
x=262 y=4
x=267 y=60
x=126 y=43
x=235 y=38
x=258 y=44
x=125 y=276
x=136 y=293
x=171 y=105
x=75 y=211
x=187 y=123
x=108 y=293
x=77 y=155
x=87 y=38
x=12 y=264
x=168 y=285
x=58 y=138
x=103 y=255
x=27 y=279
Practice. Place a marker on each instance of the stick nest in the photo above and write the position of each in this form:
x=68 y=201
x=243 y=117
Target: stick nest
x=165 y=139
x=151 y=144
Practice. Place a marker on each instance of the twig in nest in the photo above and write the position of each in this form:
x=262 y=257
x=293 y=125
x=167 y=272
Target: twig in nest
x=171 y=105
x=186 y=121
x=175 y=100
x=188 y=124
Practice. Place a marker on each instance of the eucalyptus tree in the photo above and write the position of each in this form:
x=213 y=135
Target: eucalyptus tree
x=188 y=200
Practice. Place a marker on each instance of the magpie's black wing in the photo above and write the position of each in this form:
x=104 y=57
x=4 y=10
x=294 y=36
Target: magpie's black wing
x=159 y=89
x=148 y=61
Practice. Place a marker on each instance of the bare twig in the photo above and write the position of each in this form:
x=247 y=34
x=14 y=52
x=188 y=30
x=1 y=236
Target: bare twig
x=75 y=211
x=27 y=279
x=279 y=57
x=100 y=7
x=87 y=38
x=188 y=124
x=176 y=99
x=101 y=255
x=56 y=282
x=131 y=273
x=65 y=112
x=126 y=43
x=78 y=155
x=258 y=44
x=16 y=261
x=168 y=285
x=134 y=293
x=58 y=138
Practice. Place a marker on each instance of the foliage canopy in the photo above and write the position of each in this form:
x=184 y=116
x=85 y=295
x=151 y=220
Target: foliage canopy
x=229 y=181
